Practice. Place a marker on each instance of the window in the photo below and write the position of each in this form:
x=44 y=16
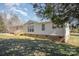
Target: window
x=43 y=27
x=28 y=29
x=31 y=28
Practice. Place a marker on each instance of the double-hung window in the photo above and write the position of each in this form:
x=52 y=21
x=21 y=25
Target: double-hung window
x=31 y=28
x=43 y=27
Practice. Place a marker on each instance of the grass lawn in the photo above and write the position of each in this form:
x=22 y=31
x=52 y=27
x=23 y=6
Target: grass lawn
x=11 y=36
x=74 y=40
x=23 y=46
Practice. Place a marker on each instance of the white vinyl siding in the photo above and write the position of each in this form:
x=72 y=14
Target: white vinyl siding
x=30 y=28
x=43 y=27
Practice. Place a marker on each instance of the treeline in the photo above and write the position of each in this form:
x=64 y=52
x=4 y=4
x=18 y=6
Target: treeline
x=2 y=25
x=7 y=21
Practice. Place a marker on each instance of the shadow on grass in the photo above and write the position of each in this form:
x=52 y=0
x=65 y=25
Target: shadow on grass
x=21 y=47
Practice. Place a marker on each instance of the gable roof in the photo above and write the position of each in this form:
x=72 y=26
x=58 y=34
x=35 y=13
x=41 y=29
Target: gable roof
x=31 y=21
x=38 y=22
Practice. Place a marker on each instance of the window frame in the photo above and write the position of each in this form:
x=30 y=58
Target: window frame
x=31 y=28
x=43 y=27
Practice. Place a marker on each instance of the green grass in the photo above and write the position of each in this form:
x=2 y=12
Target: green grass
x=22 y=46
x=35 y=47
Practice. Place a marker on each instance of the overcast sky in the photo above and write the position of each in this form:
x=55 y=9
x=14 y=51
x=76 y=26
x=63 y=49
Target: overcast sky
x=24 y=10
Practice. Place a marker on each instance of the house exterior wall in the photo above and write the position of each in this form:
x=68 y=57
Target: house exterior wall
x=48 y=29
x=50 y=32
x=15 y=29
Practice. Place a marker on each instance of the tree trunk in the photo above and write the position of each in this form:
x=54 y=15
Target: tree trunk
x=67 y=32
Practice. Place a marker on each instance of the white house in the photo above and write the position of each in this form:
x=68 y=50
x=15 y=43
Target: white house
x=46 y=28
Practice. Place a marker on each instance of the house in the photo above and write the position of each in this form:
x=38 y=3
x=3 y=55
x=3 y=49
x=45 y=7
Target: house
x=15 y=29
x=46 y=29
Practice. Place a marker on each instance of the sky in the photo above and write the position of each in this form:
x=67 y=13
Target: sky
x=24 y=10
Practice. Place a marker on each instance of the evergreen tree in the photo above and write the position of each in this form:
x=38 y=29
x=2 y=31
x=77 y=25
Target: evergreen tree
x=2 y=25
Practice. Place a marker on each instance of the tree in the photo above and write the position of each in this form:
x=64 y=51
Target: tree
x=14 y=21
x=2 y=25
x=9 y=20
x=58 y=13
